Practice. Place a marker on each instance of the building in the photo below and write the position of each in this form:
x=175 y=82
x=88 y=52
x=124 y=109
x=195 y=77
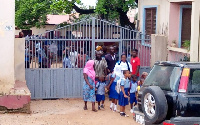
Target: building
x=176 y=19
x=52 y=23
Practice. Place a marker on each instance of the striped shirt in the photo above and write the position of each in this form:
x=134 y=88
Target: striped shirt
x=100 y=66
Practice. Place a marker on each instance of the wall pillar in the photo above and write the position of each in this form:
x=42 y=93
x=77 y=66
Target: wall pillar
x=14 y=94
x=158 y=48
x=194 y=44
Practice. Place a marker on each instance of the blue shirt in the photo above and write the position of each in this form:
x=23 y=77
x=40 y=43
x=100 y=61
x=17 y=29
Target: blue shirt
x=115 y=76
x=101 y=88
x=41 y=54
x=67 y=63
x=133 y=87
x=26 y=55
x=125 y=82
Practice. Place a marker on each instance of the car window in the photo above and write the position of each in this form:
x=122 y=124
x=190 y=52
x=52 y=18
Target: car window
x=194 y=81
x=166 y=77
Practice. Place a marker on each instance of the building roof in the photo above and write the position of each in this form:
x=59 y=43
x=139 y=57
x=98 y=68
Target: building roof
x=57 y=19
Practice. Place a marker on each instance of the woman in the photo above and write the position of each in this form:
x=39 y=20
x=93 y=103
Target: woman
x=124 y=64
x=89 y=84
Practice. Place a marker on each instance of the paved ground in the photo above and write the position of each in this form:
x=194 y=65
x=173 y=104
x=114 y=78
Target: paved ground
x=66 y=112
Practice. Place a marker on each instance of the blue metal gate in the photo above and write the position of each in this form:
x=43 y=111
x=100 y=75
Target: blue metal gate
x=48 y=71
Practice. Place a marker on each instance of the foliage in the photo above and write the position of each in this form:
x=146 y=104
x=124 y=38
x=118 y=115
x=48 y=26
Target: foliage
x=31 y=13
x=186 y=44
x=185 y=58
x=110 y=7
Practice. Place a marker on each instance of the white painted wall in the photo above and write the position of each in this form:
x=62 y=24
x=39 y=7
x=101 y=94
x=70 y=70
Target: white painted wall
x=7 y=20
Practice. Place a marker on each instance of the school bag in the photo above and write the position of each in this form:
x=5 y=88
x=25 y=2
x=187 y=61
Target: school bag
x=118 y=86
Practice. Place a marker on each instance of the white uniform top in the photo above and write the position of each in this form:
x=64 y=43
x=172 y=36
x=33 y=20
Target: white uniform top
x=73 y=57
x=124 y=66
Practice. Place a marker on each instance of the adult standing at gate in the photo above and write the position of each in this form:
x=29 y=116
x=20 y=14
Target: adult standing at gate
x=100 y=65
x=111 y=59
x=135 y=63
x=89 y=84
x=124 y=64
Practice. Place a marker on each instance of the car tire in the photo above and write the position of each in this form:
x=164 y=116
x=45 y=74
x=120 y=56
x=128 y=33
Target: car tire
x=154 y=104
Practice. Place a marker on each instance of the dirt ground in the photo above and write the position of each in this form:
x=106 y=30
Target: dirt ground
x=66 y=112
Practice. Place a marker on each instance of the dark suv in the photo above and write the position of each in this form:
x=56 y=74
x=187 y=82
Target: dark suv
x=171 y=94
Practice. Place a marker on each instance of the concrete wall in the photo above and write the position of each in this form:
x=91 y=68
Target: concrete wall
x=7 y=32
x=174 y=21
x=163 y=9
x=158 y=48
x=37 y=31
x=19 y=59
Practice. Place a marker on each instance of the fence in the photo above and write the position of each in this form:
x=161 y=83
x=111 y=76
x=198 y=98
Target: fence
x=64 y=51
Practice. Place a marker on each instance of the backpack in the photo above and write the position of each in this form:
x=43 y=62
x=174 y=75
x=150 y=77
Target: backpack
x=126 y=63
x=118 y=86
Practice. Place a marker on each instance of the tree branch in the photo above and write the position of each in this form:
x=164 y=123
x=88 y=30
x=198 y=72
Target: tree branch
x=83 y=11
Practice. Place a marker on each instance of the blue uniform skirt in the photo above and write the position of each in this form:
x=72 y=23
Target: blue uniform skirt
x=123 y=101
x=113 y=93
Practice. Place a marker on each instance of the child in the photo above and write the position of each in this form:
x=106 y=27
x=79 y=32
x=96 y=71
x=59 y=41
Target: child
x=100 y=96
x=142 y=78
x=113 y=95
x=123 y=95
x=144 y=75
x=140 y=83
x=133 y=90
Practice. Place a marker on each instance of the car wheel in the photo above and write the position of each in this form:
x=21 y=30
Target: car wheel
x=154 y=104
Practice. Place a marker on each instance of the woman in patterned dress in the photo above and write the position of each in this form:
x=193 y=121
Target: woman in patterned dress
x=89 y=84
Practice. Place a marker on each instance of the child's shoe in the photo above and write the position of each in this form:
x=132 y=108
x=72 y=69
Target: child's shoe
x=99 y=108
x=131 y=111
x=102 y=106
x=111 y=106
x=125 y=115
x=115 y=108
x=122 y=114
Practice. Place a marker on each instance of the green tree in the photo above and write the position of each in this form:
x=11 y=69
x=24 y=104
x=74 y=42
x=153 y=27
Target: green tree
x=30 y=13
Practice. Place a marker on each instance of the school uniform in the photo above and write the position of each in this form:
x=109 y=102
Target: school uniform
x=126 y=84
x=133 y=89
x=100 y=95
x=113 y=93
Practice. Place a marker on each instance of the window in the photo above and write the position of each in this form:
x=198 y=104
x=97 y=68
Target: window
x=150 y=21
x=194 y=81
x=185 y=24
x=166 y=77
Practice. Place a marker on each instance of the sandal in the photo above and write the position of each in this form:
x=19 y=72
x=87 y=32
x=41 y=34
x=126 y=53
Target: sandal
x=85 y=108
x=94 y=110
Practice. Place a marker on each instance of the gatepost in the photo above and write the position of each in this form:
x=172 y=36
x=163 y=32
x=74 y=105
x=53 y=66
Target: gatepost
x=14 y=93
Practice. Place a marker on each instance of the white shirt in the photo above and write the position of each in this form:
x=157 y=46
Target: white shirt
x=73 y=57
x=124 y=66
